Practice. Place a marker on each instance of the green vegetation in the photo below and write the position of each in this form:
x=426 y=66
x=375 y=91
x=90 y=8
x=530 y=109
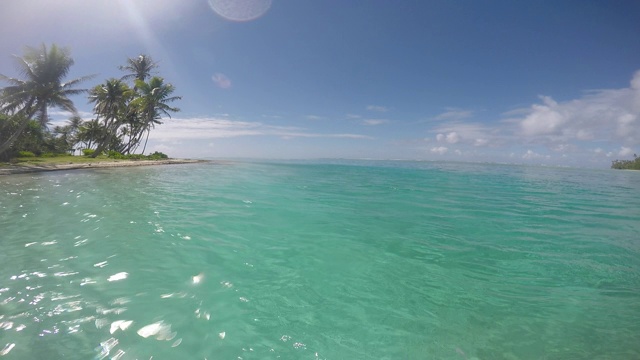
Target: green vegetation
x=88 y=152
x=29 y=99
x=155 y=156
x=26 y=154
x=124 y=113
x=62 y=159
x=627 y=164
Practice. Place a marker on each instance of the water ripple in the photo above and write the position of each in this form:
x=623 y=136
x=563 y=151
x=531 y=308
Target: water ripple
x=359 y=261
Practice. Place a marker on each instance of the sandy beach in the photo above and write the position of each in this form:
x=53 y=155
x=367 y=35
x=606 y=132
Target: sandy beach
x=32 y=168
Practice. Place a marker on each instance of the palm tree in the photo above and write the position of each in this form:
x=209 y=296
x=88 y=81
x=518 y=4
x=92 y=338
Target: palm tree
x=73 y=127
x=111 y=99
x=43 y=87
x=133 y=129
x=90 y=133
x=139 y=68
x=74 y=123
x=62 y=138
x=152 y=103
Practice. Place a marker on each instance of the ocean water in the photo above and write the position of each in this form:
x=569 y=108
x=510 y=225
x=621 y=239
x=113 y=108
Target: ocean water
x=321 y=260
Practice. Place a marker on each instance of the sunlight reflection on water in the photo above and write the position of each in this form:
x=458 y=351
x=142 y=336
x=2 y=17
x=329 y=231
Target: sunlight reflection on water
x=335 y=262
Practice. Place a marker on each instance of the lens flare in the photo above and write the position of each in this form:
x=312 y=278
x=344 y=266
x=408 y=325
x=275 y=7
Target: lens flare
x=240 y=10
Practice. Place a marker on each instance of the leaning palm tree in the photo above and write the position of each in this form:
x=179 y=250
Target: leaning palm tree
x=139 y=68
x=132 y=129
x=111 y=99
x=152 y=103
x=42 y=87
x=90 y=132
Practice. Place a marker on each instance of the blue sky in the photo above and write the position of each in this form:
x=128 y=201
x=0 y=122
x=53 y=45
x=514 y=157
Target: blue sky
x=544 y=82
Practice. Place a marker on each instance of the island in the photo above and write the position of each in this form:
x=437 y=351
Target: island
x=125 y=110
x=626 y=164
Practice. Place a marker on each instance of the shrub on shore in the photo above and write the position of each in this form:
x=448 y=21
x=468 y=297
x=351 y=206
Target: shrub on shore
x=155 y=156
x=25 y=154
x=158 y=156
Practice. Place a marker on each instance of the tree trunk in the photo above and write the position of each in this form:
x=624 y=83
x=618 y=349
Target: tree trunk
x=7 y=144
x=28 y=112
x=145 y=141
x=105 y=143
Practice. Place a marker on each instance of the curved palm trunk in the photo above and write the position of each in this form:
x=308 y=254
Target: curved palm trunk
x=25 y=121
x=7 y=144
x=145 y=141
x=105 y=143
x=130 y=145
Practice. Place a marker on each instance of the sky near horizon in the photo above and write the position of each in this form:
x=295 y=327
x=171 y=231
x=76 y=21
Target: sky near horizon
x=541 y=82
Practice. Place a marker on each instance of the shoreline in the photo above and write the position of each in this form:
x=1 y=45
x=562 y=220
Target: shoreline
x=33 y=168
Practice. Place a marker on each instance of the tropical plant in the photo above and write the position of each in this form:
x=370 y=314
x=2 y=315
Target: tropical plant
x=124 y=114
x=130 y=133
x=33 y=138
x=110 y=99
x=73 y=125
x=139 y=68
x=90 y=133
x=24 y=154
x=42 y=88
x=63 y=138
x=152 y=102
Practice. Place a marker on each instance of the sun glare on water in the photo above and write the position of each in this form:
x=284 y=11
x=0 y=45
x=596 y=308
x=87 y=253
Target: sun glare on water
x=240 y=10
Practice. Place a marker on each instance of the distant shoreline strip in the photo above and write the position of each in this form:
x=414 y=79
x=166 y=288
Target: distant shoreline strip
x=25 y=169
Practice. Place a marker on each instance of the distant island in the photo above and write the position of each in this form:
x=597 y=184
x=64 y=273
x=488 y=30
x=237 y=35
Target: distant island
x=626 y=164
x=125 y=111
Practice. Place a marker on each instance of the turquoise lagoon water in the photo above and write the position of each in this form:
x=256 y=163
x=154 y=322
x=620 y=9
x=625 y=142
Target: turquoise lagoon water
x=343 y=260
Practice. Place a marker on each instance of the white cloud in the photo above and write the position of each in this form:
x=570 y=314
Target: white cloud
x=164 y=148
x=353 y=116
x=320 y=135
x=203 y=128
x=543 y=119
x=516 y=112
x=65 y=115
x=373 y=122
x=314 y=117
x=440 y=150
x=377 y=108
x=609 y=119
x=529 y=155
x=562 y=147
x=454 y=114
x=210 y=128
x=61 y=118
x=221 y=80
x=604 y=115
x=451 y=137
x=467 y=133
x=625 y=151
